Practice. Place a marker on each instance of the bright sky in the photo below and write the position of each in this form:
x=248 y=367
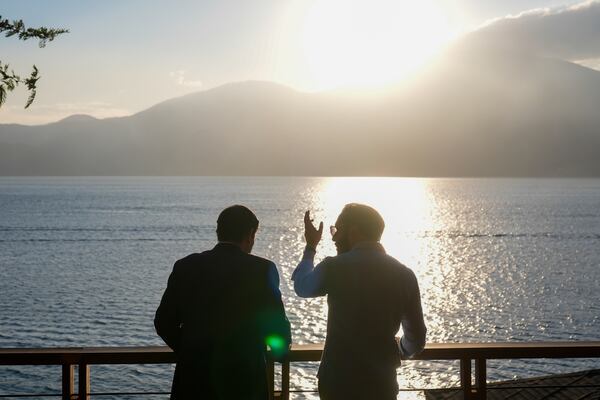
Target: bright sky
x=124 y=56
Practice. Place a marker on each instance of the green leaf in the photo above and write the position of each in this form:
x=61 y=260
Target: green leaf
x=11 y=84
x=2 y=95
x=31 y=97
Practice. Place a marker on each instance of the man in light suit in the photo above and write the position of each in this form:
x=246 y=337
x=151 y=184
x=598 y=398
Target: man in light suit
x=369 y=295
x=219 y=311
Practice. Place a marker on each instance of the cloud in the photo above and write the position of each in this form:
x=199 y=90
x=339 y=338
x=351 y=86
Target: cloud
x=179 y=77
x=593 y=63
x=568 y=33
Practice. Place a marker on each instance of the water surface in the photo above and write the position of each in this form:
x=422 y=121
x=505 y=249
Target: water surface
x=84 y=261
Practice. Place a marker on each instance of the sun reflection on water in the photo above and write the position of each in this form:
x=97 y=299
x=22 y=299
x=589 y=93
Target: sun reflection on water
x=404 y=203
x=408 y=207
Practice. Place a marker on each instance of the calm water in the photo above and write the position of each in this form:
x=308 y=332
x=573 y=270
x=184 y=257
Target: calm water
x=84 y=261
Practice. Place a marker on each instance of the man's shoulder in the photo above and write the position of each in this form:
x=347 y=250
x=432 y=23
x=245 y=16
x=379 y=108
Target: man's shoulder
x=387 y=262
x=353 y=257
x=401 y=271
x=396 y=263
x=259 y=261
x=190 y=260
x=197 y=259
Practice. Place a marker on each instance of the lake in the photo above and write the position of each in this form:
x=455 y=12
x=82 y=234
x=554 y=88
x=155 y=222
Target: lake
x=84 y=262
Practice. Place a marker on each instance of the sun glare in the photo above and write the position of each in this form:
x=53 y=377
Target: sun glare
x=370 y=43
x=406 y=204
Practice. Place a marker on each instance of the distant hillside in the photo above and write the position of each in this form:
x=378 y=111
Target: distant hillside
x=478 y=111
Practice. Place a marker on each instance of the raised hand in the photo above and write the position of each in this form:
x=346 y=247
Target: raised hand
x=312 y=234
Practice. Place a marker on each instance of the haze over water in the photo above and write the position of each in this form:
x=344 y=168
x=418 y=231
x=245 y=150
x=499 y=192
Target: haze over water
x=84 y=261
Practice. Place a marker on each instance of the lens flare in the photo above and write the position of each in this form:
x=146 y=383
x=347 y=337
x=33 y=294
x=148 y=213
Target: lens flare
x=277 y=345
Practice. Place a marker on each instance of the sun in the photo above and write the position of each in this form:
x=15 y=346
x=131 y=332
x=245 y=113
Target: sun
x=370 y=43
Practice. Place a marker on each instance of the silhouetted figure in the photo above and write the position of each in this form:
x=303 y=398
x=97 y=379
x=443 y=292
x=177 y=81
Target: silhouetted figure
x=369 y=294
x=218 y=312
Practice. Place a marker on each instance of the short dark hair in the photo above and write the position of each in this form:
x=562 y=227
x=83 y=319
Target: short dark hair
x=365 y=218
x=235 y=222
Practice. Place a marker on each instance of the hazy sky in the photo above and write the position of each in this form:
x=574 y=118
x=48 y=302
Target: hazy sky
x=122 y=56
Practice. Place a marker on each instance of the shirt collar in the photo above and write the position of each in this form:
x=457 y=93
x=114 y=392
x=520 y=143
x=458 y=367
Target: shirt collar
x=375 y=246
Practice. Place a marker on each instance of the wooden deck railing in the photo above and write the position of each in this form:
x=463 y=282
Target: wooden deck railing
x=467 y=353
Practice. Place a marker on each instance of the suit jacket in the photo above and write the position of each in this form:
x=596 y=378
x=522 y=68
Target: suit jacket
x=216 y=313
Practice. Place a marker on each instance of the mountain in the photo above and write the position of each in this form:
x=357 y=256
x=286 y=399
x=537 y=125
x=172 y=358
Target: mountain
x=476 y=111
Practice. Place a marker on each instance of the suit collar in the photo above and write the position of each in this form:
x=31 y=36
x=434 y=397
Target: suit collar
x=229 y=246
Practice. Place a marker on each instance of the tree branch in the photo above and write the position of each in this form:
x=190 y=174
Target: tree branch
x=43 y=34
x=9 y=80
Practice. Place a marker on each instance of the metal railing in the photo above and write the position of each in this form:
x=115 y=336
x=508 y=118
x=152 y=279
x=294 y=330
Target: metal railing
x=467 y=353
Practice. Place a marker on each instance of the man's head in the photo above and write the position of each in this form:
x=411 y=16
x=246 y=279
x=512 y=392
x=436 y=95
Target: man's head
x=357 y=223
x=237 y=224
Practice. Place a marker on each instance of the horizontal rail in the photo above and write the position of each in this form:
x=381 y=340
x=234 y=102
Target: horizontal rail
x=298 y=353
x=91 y=355
x=504 y=350
x=83 y=357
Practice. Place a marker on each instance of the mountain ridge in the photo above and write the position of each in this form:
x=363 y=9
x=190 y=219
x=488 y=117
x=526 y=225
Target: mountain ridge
x=479 y=115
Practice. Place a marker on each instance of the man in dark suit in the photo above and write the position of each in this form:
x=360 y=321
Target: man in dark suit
x=219 y=311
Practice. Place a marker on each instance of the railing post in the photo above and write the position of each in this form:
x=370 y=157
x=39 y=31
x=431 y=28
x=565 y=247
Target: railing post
x=84 y=381
x=285 y=379
x=480 y=378
x=465 y=378
x=271 y=377
x=68 y=381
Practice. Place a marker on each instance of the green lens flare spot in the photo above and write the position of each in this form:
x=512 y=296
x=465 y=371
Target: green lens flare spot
x=276 y=343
